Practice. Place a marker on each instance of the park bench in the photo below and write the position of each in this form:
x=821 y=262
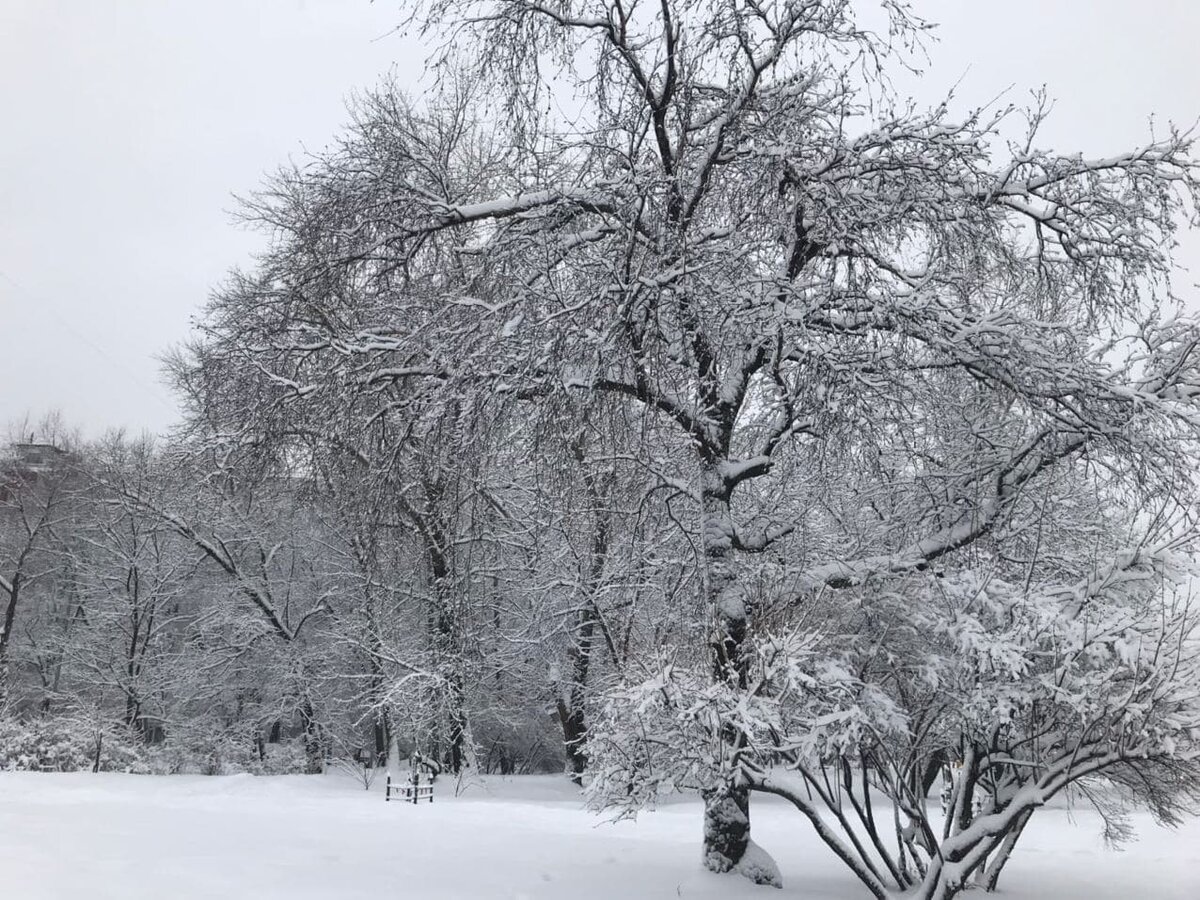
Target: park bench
x=411 y=791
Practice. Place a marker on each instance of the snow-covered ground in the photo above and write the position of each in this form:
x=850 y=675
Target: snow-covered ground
x=185 y=837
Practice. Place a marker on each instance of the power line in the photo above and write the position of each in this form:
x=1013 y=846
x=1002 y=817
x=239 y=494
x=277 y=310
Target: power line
x=115 y=364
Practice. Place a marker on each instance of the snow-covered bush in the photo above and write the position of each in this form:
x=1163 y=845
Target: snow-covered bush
x=283 y=758
x=53 y=744
x=673 y=731
x=1019 y=690
x=211 y=749
x=1028 y=689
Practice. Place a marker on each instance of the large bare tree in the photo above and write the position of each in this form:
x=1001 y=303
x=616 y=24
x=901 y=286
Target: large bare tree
x=735 y=224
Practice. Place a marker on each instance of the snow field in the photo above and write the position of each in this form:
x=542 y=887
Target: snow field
x=130 y=837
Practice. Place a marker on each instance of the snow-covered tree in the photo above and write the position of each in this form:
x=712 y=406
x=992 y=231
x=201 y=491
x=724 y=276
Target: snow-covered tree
x=36 y=493
x=867 y=338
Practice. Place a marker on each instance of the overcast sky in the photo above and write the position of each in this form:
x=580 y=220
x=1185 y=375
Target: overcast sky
x=126 y=126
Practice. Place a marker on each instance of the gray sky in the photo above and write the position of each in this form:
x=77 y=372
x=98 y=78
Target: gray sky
x=128 y=124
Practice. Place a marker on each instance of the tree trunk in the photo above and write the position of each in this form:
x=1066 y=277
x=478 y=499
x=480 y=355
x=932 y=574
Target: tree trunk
x=573 y=728
x=458 y=724
x=99 y=751
x=991 y=874
x=727 y=806
x=726 y=827
x=314 y=758
x=572 y=713
x=10 y=614
x=380 y=726
x=935 y=763
x=133 y=714
x=448 y=630
x=379 y=732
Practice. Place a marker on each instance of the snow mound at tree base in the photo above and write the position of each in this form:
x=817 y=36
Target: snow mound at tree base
x=759 y=866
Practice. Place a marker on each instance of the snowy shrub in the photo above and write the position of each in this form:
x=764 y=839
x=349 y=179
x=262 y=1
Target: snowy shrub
x=672 y=732
x=361 y=772
x=217 y=750
x=54 y=744
x=225 y=758
x=283 y=758
x=1019 y=691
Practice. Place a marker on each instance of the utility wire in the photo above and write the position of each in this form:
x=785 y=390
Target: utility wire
x=51 y=307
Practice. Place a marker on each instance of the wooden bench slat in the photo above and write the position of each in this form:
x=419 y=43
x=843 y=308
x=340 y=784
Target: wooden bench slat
x=408 y=791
